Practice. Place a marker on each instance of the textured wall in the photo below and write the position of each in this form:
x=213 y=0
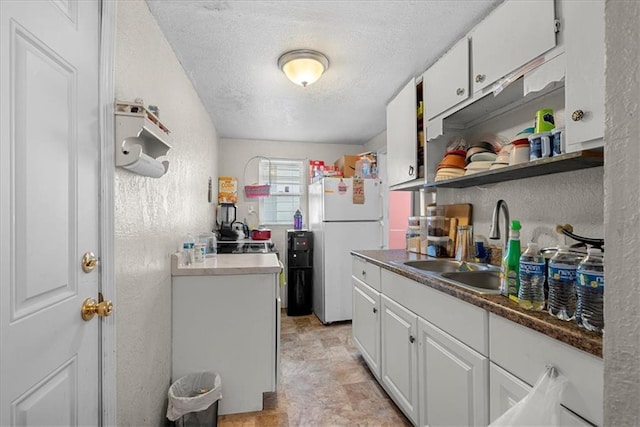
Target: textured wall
x=622 y=214
x=234 y=154
x=152 y=215
x=540 y=203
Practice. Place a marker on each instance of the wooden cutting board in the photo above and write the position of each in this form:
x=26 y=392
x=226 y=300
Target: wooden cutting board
x=458 y=214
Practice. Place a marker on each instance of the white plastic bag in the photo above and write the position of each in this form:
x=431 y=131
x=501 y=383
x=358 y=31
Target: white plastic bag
x=541 y=407
x=188 y=394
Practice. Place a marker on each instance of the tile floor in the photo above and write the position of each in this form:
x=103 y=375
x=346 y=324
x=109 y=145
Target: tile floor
x=324 y=382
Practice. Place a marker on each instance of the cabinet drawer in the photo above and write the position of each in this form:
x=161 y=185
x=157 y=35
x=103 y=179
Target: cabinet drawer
x=525 y=353
x=366 y=272
x=468 y=323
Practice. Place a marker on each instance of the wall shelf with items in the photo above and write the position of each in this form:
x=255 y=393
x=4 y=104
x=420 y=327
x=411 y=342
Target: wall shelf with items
x=549 y=165
x=141 y=139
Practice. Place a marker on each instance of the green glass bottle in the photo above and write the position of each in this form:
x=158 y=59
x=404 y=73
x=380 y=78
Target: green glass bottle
x=509 y=280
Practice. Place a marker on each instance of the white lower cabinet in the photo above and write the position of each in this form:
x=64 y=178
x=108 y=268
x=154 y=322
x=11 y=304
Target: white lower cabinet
x=447 y=362
x=452 y=378
x=366 y=324
x=399 y=356
x=505 y=390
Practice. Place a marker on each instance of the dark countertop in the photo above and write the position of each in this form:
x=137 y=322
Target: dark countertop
x=541 y=321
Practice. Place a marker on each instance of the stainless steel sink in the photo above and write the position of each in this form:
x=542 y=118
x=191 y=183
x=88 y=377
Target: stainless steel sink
x=445 y=265
x=482 y=282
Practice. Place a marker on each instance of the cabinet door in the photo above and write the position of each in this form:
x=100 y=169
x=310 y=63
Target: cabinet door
x=402 y=136
x=584 y=87
x=512 y=35
x=446 y=83
x=505 y=390
x=399 y=354
x=366 y=324
x=453 y=380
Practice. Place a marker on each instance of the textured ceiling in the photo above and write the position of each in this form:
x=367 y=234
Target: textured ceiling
x=230 y=51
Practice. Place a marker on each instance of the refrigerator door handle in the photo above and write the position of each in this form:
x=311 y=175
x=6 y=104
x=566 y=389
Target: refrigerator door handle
x=381 y=234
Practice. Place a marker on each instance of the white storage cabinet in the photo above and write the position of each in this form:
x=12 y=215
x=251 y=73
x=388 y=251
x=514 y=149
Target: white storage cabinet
x=399 y=359
x=402 y=136
x=446 y=83
x=366 y=312
x=512 y=35
x=583 y=28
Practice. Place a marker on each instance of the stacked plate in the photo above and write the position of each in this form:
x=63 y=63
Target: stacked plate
x=452 y=165
x=480 y=157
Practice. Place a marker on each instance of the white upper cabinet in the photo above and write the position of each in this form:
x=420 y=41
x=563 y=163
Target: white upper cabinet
x=402 y=136
x=512 y=35
x=446 y=83
x=583 y=28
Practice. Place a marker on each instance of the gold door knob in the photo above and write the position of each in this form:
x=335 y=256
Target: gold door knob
x=460 y=91
x=90 y=308
x=480 y=78
x=577 y=115
x=89 y=262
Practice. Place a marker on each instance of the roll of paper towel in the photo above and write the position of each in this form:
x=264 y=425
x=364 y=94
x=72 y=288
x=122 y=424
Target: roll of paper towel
x=148 y=166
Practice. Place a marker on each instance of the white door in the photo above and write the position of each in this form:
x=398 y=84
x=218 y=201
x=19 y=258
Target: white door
x=338 y=240
x=398 y=358
x=453 y=378
x=366 y=324
x=49 y=194
x=402 y=136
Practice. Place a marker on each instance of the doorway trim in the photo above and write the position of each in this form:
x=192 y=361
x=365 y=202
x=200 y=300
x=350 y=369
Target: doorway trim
x=107 y=340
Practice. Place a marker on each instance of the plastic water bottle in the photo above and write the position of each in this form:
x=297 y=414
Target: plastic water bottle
x=562 y=284
x=532 y=275
x=188 y=250
x=590 y=286
x=297 y=220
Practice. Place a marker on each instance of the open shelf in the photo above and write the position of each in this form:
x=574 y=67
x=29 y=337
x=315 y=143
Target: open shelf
x=549 y=165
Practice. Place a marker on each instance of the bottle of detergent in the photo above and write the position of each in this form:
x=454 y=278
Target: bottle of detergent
x=509 y=280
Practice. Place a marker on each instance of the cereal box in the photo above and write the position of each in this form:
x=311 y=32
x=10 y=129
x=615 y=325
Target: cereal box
x=227 y=189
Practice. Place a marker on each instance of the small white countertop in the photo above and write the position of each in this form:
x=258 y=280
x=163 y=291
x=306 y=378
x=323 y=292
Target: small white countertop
x=228 y=264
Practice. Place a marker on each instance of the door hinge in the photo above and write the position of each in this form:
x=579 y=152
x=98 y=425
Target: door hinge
x=556 y=25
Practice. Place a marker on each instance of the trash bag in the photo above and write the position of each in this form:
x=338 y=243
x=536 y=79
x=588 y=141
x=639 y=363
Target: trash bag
x=541 y=407
x=193 y=393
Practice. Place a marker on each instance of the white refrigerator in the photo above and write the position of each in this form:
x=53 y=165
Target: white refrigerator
x=341 y=222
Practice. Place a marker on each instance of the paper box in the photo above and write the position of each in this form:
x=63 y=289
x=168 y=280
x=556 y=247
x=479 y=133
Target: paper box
x=347 y=165
x=316 y=167
x=227 y=190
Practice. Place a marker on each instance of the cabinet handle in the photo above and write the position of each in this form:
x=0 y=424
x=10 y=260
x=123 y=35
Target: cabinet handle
x=577 y=115
x=480 y=78
x=411 y=339
x=411 y=170
x=364 y=273
x=375 y=310
x=460 y=91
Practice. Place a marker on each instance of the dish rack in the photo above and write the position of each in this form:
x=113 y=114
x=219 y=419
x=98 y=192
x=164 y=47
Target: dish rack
x=257 y=190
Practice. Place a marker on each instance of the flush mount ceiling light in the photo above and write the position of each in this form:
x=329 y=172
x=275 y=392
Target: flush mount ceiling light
x=303 y=67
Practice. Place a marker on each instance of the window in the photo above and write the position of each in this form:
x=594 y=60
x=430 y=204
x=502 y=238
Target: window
x=287 y=187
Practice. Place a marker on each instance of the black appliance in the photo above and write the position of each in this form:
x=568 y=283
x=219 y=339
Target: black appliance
x=226 y=216
x=299 y=272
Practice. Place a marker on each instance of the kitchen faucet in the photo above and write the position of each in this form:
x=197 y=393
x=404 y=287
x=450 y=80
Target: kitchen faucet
x=494 y=233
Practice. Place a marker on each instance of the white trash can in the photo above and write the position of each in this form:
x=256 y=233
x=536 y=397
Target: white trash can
x=193 y=400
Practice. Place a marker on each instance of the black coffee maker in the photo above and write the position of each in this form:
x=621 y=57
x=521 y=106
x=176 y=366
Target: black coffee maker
x=225 y=218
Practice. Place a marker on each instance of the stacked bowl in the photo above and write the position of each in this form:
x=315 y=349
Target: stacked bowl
x=452 y=165
x=480 y=157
